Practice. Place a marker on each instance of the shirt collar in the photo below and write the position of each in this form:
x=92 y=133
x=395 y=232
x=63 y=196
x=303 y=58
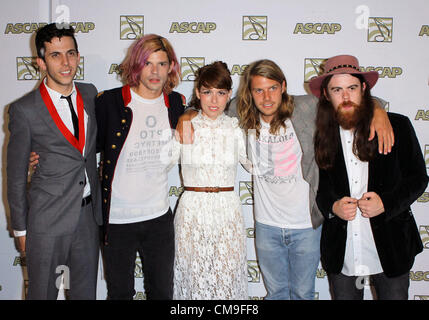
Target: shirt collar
x=56 y=96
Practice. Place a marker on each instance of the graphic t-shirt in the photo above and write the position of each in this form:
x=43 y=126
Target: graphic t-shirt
x=140 y=184
x=281 y=194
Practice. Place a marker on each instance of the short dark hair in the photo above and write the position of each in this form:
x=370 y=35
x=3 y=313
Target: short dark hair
x=50 y=31
x=215 y=75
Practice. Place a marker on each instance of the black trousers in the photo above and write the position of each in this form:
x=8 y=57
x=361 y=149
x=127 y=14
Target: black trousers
x=351 y=288
x=154 y=241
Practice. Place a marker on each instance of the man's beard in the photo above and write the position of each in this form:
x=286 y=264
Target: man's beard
x=350 y=118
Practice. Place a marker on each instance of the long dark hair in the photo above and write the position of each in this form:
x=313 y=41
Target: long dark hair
x=327 y=136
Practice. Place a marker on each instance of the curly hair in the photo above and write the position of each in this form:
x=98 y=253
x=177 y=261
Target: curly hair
x=246 y=108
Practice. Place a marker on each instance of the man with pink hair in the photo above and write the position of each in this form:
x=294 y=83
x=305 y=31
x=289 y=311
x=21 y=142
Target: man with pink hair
x=134 y=122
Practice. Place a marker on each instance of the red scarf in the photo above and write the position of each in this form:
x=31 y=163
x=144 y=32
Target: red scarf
x=60 y=124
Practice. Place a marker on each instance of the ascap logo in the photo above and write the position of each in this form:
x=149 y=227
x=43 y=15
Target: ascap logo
x=175 y=191
x=189 y=67
x=27 y=69
x=250 y=232
x=424 y=234
x=312 y=68
x=84 y=27
x=114 y=68
x=139 y=296
x=422 y=115
x=320 y=274
x=255 y=28
x=380 y=29
x=317 y=28
x=19 y=261
x=421 y=297
x=192 y=27
x=424 y=197
x=138 y=271
x=131 y=27
x=253 y=272
x=80 y=73
x=424 y=31
x=246 y=192
x=236 y=69
x=419 y=275
x=390 y=72
x=18 y=28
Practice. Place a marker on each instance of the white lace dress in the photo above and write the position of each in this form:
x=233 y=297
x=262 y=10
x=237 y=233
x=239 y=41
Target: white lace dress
x=210 y=260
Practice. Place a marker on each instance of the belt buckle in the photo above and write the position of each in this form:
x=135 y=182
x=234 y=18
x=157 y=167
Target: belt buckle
x=213 y=189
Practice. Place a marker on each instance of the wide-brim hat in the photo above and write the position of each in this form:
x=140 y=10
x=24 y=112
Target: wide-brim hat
x=343 y=64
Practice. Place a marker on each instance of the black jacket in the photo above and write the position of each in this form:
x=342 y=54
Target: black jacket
x=114 y=120
x=399 y=178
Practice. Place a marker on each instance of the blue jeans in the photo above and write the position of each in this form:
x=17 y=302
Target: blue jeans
x=288 y=259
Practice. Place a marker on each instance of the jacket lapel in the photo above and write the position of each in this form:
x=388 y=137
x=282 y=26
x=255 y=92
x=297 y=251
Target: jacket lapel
x=90 y=123
x=340 y=177
x=303 y=131
x=44 y=113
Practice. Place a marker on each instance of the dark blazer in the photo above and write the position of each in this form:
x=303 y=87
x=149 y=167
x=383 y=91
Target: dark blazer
x=114 y=119
x=52 y=204
x=399 y=178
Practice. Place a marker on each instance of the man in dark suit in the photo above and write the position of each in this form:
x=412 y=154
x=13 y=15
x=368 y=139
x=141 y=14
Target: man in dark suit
x=365 y=196
x=56 y=220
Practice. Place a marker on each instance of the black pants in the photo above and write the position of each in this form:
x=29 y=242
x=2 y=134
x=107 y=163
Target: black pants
x=154 y=241
x=351 y=288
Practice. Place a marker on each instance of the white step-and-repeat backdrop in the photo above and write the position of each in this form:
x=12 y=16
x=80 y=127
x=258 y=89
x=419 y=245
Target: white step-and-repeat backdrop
x=389 y=36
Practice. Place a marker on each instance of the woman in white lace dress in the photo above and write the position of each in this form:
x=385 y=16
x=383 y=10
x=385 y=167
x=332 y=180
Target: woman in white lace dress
x=210 y=260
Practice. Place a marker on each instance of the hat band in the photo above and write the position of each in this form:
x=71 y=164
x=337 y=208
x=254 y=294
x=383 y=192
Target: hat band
x=343 y=66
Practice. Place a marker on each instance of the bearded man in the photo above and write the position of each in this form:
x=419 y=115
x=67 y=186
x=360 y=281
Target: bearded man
x=364 y=196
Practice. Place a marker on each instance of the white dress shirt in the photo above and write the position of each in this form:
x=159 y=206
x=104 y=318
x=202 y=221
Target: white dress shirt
x=361 y=257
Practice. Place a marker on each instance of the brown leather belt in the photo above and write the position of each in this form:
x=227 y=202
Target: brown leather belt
x=209 y=189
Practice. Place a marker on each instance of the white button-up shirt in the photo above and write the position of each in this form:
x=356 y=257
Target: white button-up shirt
x=361 y=257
